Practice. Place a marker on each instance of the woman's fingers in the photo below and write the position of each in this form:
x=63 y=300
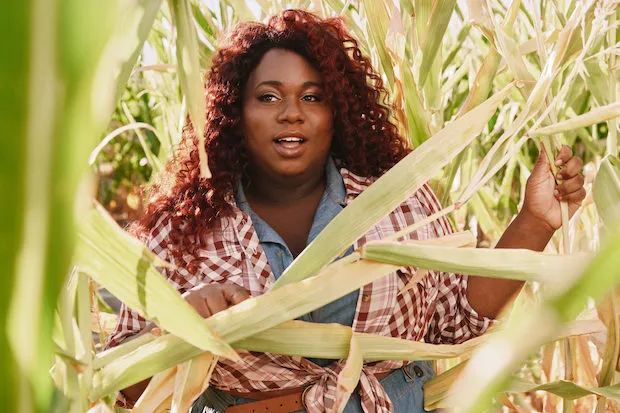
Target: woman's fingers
x=563 y=156
x=571 y=188
x=199 y=304
x=209 y=299
x=570 y=185
x=574 y=197
x=215 y=300
x=571 y=168
x=234 y=294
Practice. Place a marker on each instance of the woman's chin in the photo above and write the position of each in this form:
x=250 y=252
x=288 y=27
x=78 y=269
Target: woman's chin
x=294 y=170
x=291 y=172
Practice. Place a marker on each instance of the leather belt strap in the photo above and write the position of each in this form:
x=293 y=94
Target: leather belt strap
x=283 y=404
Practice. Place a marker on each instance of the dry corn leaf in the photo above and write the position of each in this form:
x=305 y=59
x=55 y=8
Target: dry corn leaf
x=591 y=117
x=191 y=381
x=349 y=375
x=100 y=408
x=158 y=392
x=105 y=322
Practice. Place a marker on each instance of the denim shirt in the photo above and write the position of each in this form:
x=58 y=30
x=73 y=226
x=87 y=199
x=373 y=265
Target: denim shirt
x=341 y=311
x=404 y=386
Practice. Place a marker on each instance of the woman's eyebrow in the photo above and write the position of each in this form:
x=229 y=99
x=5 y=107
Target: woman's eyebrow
x=306 y=84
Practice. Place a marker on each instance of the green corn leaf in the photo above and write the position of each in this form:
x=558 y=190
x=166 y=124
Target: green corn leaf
x=460 y=38
x=608 y=312
x=136 y=24
x=486 y=215
x=73 y=53
x=436 y=390
x=15 y=39
x=254 y=325
x=488 y=372
x=436 y=28
x=389 y=190
x=240 y=321
x=597 y=82
x=241 y=9
x=189 y=73
x=564 y=388
x=417 y=117
x=126 y=268
x=298 y=338
x=606 y=191
x=497 y=263
x=592 y=117
x=378 y=22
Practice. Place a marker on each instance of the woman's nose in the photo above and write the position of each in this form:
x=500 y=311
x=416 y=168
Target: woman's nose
x=291 y=111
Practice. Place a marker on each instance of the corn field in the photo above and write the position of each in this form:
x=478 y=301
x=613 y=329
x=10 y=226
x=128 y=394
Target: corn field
x=95 y=95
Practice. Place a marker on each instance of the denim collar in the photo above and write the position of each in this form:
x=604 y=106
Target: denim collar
x=335 y=191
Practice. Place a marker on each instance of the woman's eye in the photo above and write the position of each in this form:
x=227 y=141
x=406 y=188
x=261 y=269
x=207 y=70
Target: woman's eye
x=268 y=97
x=312 y=98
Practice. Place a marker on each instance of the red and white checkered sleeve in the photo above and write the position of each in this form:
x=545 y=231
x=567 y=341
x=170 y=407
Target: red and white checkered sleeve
x=129 y=321
x=454 y=320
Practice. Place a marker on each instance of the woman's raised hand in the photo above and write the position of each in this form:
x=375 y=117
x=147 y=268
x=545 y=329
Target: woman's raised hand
x=209 y=299
x=543 y=195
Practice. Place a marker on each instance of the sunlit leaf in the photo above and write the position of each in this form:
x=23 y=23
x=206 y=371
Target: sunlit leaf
x=389 y=190
x=130 y=274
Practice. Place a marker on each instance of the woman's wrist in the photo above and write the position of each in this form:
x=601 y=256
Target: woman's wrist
x=527 y=231
x=533 y=224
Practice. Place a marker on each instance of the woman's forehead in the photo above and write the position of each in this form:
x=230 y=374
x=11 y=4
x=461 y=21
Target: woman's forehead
x=284 y=67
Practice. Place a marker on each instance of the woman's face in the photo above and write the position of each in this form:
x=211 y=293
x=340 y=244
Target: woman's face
x=286 y=121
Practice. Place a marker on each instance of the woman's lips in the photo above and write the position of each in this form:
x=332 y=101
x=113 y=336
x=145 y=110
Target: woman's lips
x=290 y=149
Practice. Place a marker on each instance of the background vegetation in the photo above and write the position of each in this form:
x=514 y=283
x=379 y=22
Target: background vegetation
x=130 y=71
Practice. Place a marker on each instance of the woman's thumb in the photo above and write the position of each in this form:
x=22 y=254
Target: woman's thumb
x=543 y=160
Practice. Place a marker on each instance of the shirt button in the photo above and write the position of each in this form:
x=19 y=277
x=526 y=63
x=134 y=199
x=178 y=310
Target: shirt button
x=418 y=371
x=365 y=297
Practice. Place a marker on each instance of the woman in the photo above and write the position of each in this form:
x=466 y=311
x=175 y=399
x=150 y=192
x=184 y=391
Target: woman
x=296 y=128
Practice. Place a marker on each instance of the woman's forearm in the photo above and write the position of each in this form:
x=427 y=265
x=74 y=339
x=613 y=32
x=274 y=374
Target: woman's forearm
x=134 y=391
x=489 y=295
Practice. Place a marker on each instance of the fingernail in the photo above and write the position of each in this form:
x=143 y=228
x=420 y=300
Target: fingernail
x=558 y=162
x=559 y=175
x=556 y=193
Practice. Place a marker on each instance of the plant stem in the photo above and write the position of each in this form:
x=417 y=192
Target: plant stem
x=612 y=134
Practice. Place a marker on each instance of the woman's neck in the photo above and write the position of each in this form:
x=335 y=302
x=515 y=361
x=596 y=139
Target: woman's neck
x=284 y=191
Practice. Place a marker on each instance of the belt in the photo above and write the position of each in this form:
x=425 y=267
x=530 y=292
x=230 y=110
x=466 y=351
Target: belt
x=282 y=404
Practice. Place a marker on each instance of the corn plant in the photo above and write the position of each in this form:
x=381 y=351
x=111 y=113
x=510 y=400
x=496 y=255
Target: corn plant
x=477 y=88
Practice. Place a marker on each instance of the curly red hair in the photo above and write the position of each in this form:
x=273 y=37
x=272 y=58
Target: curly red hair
x=365 y=140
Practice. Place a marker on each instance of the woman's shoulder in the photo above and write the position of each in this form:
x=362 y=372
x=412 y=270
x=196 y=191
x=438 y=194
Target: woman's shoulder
x=355 y=184
x=172 y=231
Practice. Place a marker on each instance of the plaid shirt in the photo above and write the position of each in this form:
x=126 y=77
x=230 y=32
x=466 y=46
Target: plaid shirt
x=435 y=310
